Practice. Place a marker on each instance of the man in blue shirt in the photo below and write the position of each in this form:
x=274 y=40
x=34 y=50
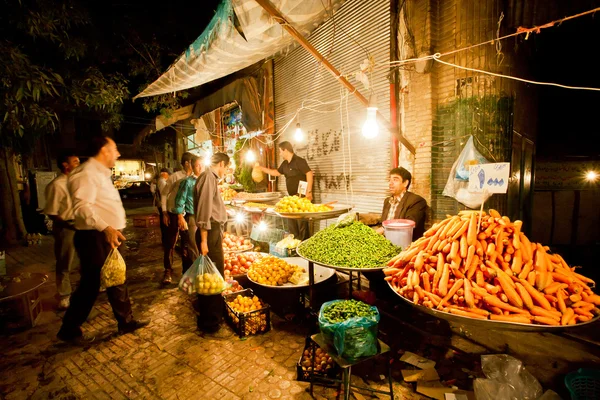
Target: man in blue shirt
x=184 y=206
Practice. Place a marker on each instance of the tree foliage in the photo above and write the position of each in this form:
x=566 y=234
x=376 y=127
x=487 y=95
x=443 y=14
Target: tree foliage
x=48 y=66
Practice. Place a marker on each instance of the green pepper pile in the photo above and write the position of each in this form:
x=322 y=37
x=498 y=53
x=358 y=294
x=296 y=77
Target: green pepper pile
x=351 y=246
x=344 y=310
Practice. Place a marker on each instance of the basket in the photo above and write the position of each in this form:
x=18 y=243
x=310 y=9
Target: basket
x=305 y=376
x=250 y=323
x=584 y=384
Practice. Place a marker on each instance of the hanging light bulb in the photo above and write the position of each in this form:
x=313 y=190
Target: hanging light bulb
x=207 y=161
x=250 y=156
x=262 y=226
x=298 y=135
x=240 y=218
x=370 y=128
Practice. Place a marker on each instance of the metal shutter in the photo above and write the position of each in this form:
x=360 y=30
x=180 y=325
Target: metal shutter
x=359 y=24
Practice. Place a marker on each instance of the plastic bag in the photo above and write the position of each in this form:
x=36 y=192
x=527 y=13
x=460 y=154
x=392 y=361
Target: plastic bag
x=208 y=280
x=257 y=175
x=353 y=338
x=187 y=283
x=114 y=270
x=458 y=180
x=468 y=156
x=346 y=219
x=507 y=379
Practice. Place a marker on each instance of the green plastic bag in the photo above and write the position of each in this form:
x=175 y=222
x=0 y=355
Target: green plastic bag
x=354 y=338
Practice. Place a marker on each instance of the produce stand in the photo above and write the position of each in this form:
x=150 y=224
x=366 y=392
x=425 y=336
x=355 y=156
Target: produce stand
x=23 y=290
x=491 y=324
x=338 y=209
x=322 y=274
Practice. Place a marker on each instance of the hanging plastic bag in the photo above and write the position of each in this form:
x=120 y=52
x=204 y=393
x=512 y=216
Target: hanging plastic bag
x=208 y=280
x=257 y=175
x=114 y=270
x=354 y=338
x=187 y=283
x=507 y=379
x=458 y=181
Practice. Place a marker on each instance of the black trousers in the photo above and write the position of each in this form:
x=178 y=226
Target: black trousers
x=163 y=228
x=210 y=308
x=172 y=234
x=299 y=228
x=92 y=249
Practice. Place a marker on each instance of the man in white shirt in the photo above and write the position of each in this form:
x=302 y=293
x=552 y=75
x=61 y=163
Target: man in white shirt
x=158 y=187
x=171 y=219
x=99 y=218
x=60 y=210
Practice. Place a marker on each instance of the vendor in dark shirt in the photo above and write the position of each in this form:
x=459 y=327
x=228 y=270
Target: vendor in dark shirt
x=295 y=169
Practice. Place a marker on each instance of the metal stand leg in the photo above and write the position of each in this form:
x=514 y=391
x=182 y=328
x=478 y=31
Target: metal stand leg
x=347 y=375
x=311 y=284
x=390 y=377
x=312 y=373
x=358 y=284
x=350 y=285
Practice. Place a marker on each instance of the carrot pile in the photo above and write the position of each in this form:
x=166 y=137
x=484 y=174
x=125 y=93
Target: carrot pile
x=488 y=269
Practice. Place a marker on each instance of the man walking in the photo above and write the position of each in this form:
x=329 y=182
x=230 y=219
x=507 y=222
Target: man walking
x=60 y=210
x=296 y=170
x=171 y=219
x=99 y=217
x=158 y=187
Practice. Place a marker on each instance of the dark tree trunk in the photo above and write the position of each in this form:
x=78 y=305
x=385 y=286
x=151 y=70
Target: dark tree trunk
x=13 y=227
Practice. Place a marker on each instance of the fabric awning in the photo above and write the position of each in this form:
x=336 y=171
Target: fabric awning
x=240 y=34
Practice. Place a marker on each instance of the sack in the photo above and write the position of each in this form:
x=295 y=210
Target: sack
x=468 y=156
x=208 y=281
x=114 y=270
x=257 y=175
x=353 y=338
x=458 y=180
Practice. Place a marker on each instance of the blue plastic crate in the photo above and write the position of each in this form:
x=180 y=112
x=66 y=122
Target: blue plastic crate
x=584 y=384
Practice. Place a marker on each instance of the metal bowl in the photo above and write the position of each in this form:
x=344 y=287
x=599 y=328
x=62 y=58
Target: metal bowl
x=491 y=324
x=321 y=274
x=338 y=209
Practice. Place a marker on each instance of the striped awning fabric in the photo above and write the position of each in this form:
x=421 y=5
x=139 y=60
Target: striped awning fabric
x=240 y=34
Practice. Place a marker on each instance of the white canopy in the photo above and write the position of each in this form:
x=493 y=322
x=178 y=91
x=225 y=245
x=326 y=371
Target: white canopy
x=240 y=34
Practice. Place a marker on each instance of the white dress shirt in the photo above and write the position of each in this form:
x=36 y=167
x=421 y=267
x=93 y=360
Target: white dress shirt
x=96 y=201
x=58 y=200
x=169 y=191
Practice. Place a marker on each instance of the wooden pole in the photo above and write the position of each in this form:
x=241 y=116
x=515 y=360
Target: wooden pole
x=266 y=4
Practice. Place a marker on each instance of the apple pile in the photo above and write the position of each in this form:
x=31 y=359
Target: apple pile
x=233 y=286
x=239 y=264
x=233 y=243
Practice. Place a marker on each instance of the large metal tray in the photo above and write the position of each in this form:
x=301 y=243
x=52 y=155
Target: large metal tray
x=337 y=267
x=338 y=209
x=491 y=324
x=268 y=196
x=321 y=274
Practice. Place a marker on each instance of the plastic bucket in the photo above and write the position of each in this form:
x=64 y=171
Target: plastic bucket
x=399 y=231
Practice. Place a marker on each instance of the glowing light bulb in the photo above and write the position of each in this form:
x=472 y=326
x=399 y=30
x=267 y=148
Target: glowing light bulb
x=240 y=218
x=591 y=176
x=207 y=161
x=299 y=135
x=262 y=226
x=250 y=156
x=148 y=175
x=371 y=129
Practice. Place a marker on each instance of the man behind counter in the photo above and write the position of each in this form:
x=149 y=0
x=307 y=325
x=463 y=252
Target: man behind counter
x=295 y=169
x=402 y=204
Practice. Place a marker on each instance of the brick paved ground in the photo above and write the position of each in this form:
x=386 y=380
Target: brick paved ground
x=170 y=360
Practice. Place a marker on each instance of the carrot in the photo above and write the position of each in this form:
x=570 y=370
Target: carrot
x=525 y=247
x=409 y=284
x=415 y=298
x=441 y=245
x=452 y=227
x=474 y=310
x=594 y=298
x=433 y=297
x=447 y=248
x=436 y=228
x=582 y=318
x=461 y=230
x=496 y=302
x=491 y=248
x=511 y=318
x=479 y=249
x=454 y=250
x=553 y=287
x=540 y=312
x=540 y=280
x=550 y=298
x=581 y=311
x=389 y=278
x=493 y=213
x=419 y=262
x=517 y=263
x=469 y=299
x=463 y=247
x=545 y=320
x=472 y=230
x=443 y=284
x=575 y=298
x=415 y=278
x=559 y=277
x=567 y=315
x=535 y=295
x=457 y=285
x=526 y=270
x=479 y=278
x=584 y=278
x=509 y=290
x=540 y=259
x=531 y=278
x=426 y=282
x=491 y=289
x=463 y=313
x=419 y=292
x=479 y=291
x=560 y=300
x=527 y=301
x=583 y=304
